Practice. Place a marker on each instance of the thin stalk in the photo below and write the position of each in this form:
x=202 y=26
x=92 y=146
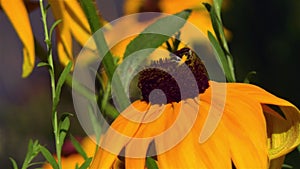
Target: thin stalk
x=53 y=86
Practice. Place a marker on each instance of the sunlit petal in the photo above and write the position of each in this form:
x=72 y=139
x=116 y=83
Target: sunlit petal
x=283 y=134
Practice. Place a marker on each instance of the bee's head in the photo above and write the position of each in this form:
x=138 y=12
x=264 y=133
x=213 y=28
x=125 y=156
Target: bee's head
x=183 y=55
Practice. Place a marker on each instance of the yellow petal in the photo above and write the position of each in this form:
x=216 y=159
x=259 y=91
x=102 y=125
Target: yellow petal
x=78 y=23
x=283 y=134
x=75 y=11
x=246 y=130
x=77 y=31
x=64 y=39
x=17 y=14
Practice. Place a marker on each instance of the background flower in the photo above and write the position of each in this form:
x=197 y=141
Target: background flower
x=73 y=24
x=17 y=14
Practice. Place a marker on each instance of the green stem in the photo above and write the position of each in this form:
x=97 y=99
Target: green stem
x=53 y=86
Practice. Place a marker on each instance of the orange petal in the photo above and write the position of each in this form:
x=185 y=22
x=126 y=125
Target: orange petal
x=189 y=153
x=18 y=16
x=119 y=134
x=283 y=135
x=103 y=159
x=246 y=130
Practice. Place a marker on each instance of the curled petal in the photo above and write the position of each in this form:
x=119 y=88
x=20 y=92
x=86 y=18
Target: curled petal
x=283 y=134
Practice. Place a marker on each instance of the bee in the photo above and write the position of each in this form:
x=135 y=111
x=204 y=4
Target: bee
x=185 y=55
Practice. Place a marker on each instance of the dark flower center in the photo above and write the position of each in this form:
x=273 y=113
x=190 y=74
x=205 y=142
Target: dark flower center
x=172 y=80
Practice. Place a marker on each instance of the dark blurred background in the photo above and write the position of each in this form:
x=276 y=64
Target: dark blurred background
x=266 y=39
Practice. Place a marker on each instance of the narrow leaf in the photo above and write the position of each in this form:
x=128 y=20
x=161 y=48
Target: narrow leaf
x=221 y=58
x=91 y=14
x=14 y=163
x=54 y=26
x=95 y=24
x=151 y=164
x=41 y=64
x=95 y=124
x=48 y=156
x=287 y=166
x=249 y=76
x=61 y=81
x=217 y=4
x=64 y=125
x=86 y=163
x=32 y=151
x=158 y=33
x=78 y=147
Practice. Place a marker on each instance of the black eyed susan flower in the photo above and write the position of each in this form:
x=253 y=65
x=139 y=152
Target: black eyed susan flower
x=249 y=133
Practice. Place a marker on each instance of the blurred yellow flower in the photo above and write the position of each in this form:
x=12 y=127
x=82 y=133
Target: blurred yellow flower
x=17 y=14
x=245 y=136
x=74 y=23
x=70 y=161
x=200 y=16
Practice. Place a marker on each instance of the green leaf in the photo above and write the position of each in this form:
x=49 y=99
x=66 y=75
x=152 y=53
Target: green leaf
x=49 y=157
x=215 y=14
x=286 y=166
x=60 y=82
x=217 y=24
x=221 y=58
x=80 y=88
x=41 y=64
x=150 y=163
x=91 y=14
x=78 y=147
x=86 y=163
x=14 y=163
x=249 y=76
x=64 y=125
x=54 y=26
x=111 y=111
x=96 y=127
x=32 y=151
x=217 y=4
x=157 y=33
x=95 y=24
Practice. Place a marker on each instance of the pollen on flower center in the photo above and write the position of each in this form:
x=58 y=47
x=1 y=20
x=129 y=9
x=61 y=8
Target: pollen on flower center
x=173 y=79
